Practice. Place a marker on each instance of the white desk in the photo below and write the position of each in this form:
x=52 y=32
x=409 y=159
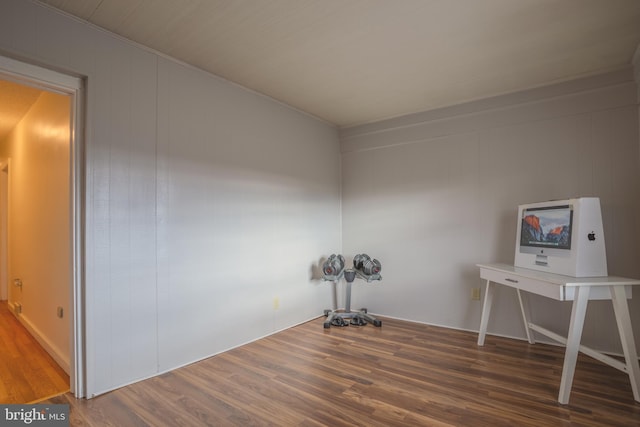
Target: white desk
x=579 y=290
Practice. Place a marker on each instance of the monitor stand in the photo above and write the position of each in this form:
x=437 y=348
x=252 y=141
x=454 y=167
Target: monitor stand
x=542 y=260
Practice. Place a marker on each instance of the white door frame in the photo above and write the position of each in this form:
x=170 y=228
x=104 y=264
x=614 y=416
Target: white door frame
x=52 y=81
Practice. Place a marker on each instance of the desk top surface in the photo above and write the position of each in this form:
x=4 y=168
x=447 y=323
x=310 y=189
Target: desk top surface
x=560 y=279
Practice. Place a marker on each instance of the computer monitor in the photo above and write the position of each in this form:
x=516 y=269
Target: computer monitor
x=562 y=237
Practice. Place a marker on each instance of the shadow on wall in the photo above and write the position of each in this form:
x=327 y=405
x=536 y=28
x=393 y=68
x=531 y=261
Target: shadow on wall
x=315 y=270
x=506 y=236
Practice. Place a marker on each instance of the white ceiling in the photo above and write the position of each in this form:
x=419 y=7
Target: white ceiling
x=15 y=101
x=356 y=61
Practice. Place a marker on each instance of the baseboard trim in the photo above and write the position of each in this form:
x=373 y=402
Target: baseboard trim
x=48 y=346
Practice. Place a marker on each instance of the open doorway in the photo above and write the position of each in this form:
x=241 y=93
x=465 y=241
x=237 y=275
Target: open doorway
x=42 y=259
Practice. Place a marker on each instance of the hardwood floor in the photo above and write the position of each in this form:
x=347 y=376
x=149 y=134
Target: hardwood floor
x=27 y=372
x=402 y=374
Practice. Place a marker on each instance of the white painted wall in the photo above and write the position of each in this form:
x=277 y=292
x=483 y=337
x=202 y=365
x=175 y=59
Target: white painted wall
x=245 y=209
x=38 y=222
x=434 y=193
x=205 y=202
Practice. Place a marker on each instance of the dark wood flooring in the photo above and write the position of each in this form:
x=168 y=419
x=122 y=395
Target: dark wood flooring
x=27 y=372
x=402 y=374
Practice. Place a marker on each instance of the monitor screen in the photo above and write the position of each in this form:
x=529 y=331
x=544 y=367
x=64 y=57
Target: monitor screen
x=547 y=227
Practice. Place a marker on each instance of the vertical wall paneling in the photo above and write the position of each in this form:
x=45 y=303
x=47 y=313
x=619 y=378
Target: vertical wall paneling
x=207 y=205
x=131 y=214
x=163 y=260
x=431 y=196
x=248 y=196
x=434 y=193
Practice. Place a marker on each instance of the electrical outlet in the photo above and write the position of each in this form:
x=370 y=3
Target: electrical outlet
x=276 y=303
x=475 y=294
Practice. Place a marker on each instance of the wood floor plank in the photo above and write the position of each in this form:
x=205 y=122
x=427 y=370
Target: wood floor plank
x=400 y=374
x=27 y=372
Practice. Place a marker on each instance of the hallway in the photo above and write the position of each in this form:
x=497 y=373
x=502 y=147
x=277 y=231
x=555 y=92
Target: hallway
x=27 y=373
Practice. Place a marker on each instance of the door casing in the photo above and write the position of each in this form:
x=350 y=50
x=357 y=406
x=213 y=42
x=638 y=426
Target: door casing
x=54 y=81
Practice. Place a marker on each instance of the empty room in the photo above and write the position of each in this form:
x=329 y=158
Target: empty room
x=224 y=186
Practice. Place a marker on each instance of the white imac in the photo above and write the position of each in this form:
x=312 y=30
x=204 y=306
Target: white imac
x=562 y=237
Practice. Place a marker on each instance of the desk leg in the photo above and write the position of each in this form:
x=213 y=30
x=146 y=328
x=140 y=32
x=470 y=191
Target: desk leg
x=578 y=312
x=486 y=310
x=524 y=308
x=621 y=310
